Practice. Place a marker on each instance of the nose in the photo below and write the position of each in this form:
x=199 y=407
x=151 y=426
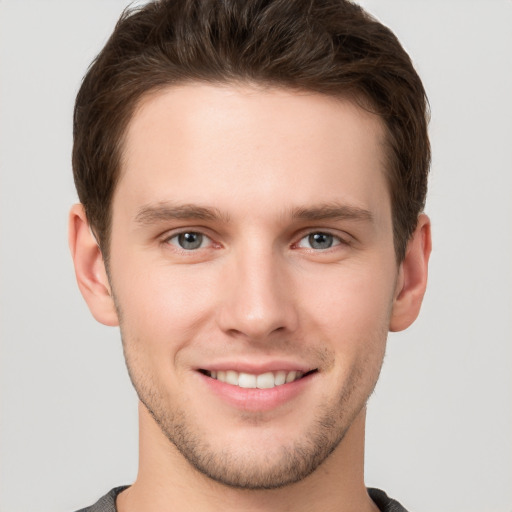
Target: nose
x=258 y=298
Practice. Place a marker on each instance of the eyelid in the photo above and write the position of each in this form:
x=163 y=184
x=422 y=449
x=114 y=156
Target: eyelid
x=336 y=242
x=204 y=241
x=169 y=235
x=342 y=238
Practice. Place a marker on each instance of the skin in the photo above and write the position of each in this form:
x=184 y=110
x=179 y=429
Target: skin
x=255 y=171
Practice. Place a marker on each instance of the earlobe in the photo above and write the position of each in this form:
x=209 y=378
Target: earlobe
x=90 y=270
x=412 y=277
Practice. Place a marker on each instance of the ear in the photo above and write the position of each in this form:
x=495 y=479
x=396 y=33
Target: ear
x=412 y=277
x=90 y=268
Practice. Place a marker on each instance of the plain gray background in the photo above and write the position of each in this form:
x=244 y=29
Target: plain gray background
x=440 y=422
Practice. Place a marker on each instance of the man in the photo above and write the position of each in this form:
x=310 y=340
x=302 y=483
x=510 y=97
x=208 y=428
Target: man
x=252 y=176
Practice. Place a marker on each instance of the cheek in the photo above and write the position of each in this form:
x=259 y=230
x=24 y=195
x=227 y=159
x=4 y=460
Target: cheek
x=160 y=304
x=351 y=294
x=350 y=309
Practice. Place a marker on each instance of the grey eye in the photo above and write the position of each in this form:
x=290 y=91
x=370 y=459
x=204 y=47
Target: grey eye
x=188 y=241
x=320 y=240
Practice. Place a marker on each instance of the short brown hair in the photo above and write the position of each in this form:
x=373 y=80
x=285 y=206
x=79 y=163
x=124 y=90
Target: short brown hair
x=328 y=46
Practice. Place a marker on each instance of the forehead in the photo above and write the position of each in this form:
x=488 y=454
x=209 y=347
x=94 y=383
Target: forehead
x=199 y=143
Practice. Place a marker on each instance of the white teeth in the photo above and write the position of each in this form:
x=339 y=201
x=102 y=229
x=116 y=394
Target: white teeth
x=291 y=377
x=246 y=380
x=232 y=377
x=263 y=381
x=280 y=378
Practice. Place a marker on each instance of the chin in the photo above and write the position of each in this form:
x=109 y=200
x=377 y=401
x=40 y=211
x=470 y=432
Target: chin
x=259 y=455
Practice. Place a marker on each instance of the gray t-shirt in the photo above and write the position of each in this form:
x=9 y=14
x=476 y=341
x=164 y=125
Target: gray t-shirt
x=108 y=502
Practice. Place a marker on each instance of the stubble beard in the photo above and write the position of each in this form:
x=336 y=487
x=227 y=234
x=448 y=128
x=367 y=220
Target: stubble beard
x=252 y=470
x=255 y=471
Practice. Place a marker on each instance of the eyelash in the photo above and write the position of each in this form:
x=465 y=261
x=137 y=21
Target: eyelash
x=336 y=241
x=176 y=236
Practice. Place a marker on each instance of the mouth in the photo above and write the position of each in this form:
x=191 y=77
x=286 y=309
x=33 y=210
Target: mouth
x=265 y=380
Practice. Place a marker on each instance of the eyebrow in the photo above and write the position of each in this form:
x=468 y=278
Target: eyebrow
x=333 y=211
x=164 y=211
x=159 y=212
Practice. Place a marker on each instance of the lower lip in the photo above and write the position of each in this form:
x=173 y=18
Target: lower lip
x=256 y=400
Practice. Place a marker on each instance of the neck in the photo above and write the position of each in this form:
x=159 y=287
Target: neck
x=166 y=482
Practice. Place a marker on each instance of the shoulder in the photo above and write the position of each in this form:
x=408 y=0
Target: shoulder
x=106 y=503
x=384 y=502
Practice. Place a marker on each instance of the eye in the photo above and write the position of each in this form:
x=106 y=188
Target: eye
x=319 y=241
x=189 y=240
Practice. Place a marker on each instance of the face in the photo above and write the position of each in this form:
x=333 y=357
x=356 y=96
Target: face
x=254 y=274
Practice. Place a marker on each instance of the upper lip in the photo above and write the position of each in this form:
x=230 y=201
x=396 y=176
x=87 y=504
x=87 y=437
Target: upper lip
x=257 y=368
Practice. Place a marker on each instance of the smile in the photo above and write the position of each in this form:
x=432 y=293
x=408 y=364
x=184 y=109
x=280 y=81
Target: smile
x=265 y=380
